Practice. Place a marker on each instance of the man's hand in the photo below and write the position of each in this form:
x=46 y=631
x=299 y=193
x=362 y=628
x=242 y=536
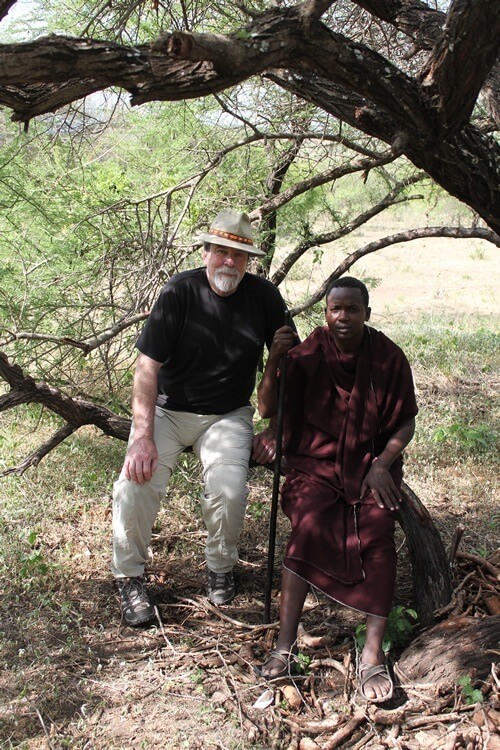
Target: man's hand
x=382 y=486
x=284 y=338
x=141 y=460
x=264 y=446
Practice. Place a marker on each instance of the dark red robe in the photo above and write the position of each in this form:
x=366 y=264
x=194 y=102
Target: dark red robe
x=340 y=412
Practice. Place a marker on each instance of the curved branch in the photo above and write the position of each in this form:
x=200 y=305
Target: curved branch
x=85 y=346
x=361 y=165
x=394 y=239
x=76 y=412
x=62 y=340
x=34 y=458
x=390 y=199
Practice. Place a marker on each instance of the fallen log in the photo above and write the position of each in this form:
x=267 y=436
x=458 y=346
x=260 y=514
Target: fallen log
x=455 y=648
x=431 y=571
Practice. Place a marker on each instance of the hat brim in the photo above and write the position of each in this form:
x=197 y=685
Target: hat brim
x=216 y=240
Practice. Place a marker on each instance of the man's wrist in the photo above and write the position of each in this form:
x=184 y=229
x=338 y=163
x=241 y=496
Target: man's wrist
x=380 y=463
x=143 y=436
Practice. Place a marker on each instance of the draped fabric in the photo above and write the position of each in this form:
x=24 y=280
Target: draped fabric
x=340 y=412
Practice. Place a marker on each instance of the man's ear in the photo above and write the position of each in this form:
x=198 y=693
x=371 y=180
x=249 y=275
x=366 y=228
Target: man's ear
x=368 y=313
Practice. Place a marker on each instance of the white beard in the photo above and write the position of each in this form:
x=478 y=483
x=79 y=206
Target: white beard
x=226 y=281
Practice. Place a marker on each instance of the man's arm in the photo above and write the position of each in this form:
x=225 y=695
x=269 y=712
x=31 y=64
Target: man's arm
x=267 y=392
x=142 y=457
x=264 y=443
x=378 y=479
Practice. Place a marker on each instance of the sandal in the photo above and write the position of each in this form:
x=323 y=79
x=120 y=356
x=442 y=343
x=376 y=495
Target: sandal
x=365 y=672
x=287 y=658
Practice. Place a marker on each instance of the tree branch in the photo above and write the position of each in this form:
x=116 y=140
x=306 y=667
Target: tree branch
x=360 y=165
x=413 y=234
x=343 y=77
x=86 y=346
x=321 y=239
x=425 y=26
x=312 y=10
x=467 y=164
x=34 y=458
x=461 y=60
x=413 y=17
x=76 y=412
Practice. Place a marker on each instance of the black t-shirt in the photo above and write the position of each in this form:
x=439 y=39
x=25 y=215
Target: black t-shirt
x=210 y=346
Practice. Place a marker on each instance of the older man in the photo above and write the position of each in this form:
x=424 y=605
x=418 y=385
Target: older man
x=198 y=355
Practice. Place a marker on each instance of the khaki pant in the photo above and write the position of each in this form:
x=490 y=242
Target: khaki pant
x=223 y=443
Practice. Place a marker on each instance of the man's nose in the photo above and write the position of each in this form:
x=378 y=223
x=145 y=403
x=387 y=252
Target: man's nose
x=229 y=262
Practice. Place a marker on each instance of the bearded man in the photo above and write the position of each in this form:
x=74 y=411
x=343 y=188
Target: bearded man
x=198 y=356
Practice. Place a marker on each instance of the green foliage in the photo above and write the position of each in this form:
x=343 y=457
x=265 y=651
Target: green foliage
x=400 y=625
x=197 y=676
x=451 y=346
x=473 y=439
x=303 y=663
x=33 y=562
x=470 y=694
x=255 y=509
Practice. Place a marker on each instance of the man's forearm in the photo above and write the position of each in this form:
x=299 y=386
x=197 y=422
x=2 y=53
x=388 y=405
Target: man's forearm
x=396 y=444
x=144 y=396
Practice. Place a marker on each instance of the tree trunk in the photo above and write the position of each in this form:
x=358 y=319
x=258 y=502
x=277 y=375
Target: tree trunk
x=455 y=648
x=432 y=587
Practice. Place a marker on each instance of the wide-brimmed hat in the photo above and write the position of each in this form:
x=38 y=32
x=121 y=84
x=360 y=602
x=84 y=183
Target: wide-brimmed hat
x=232 y=229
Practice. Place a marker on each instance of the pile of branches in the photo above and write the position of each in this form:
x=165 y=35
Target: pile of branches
x=476 y=582
x=320 y=708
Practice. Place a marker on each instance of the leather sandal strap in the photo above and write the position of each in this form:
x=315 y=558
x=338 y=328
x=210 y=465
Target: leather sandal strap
x=367 y=671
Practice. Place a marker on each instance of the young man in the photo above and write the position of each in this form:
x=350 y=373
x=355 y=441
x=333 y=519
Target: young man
x=349 y=413
x=198 y=355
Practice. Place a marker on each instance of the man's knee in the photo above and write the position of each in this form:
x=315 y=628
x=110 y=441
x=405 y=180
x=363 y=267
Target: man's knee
x=227 y=482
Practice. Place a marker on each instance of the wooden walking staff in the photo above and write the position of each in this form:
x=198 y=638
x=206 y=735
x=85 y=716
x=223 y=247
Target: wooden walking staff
x=276 y=485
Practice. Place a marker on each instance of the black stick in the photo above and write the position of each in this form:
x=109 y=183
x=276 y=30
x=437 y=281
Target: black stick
x=276 y=486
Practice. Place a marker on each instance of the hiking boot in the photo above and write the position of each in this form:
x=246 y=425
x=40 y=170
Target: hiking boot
x=220 y=587
x=137 y=607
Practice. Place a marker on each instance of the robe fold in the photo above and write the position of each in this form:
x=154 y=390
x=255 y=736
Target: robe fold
x=340 y=411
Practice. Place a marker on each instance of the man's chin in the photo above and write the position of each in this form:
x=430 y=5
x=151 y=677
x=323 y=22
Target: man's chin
x=226 y=285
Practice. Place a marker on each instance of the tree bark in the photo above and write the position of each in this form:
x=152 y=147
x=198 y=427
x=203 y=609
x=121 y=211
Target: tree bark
x=455 y=648
x=432 y=586
x=427 y=120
